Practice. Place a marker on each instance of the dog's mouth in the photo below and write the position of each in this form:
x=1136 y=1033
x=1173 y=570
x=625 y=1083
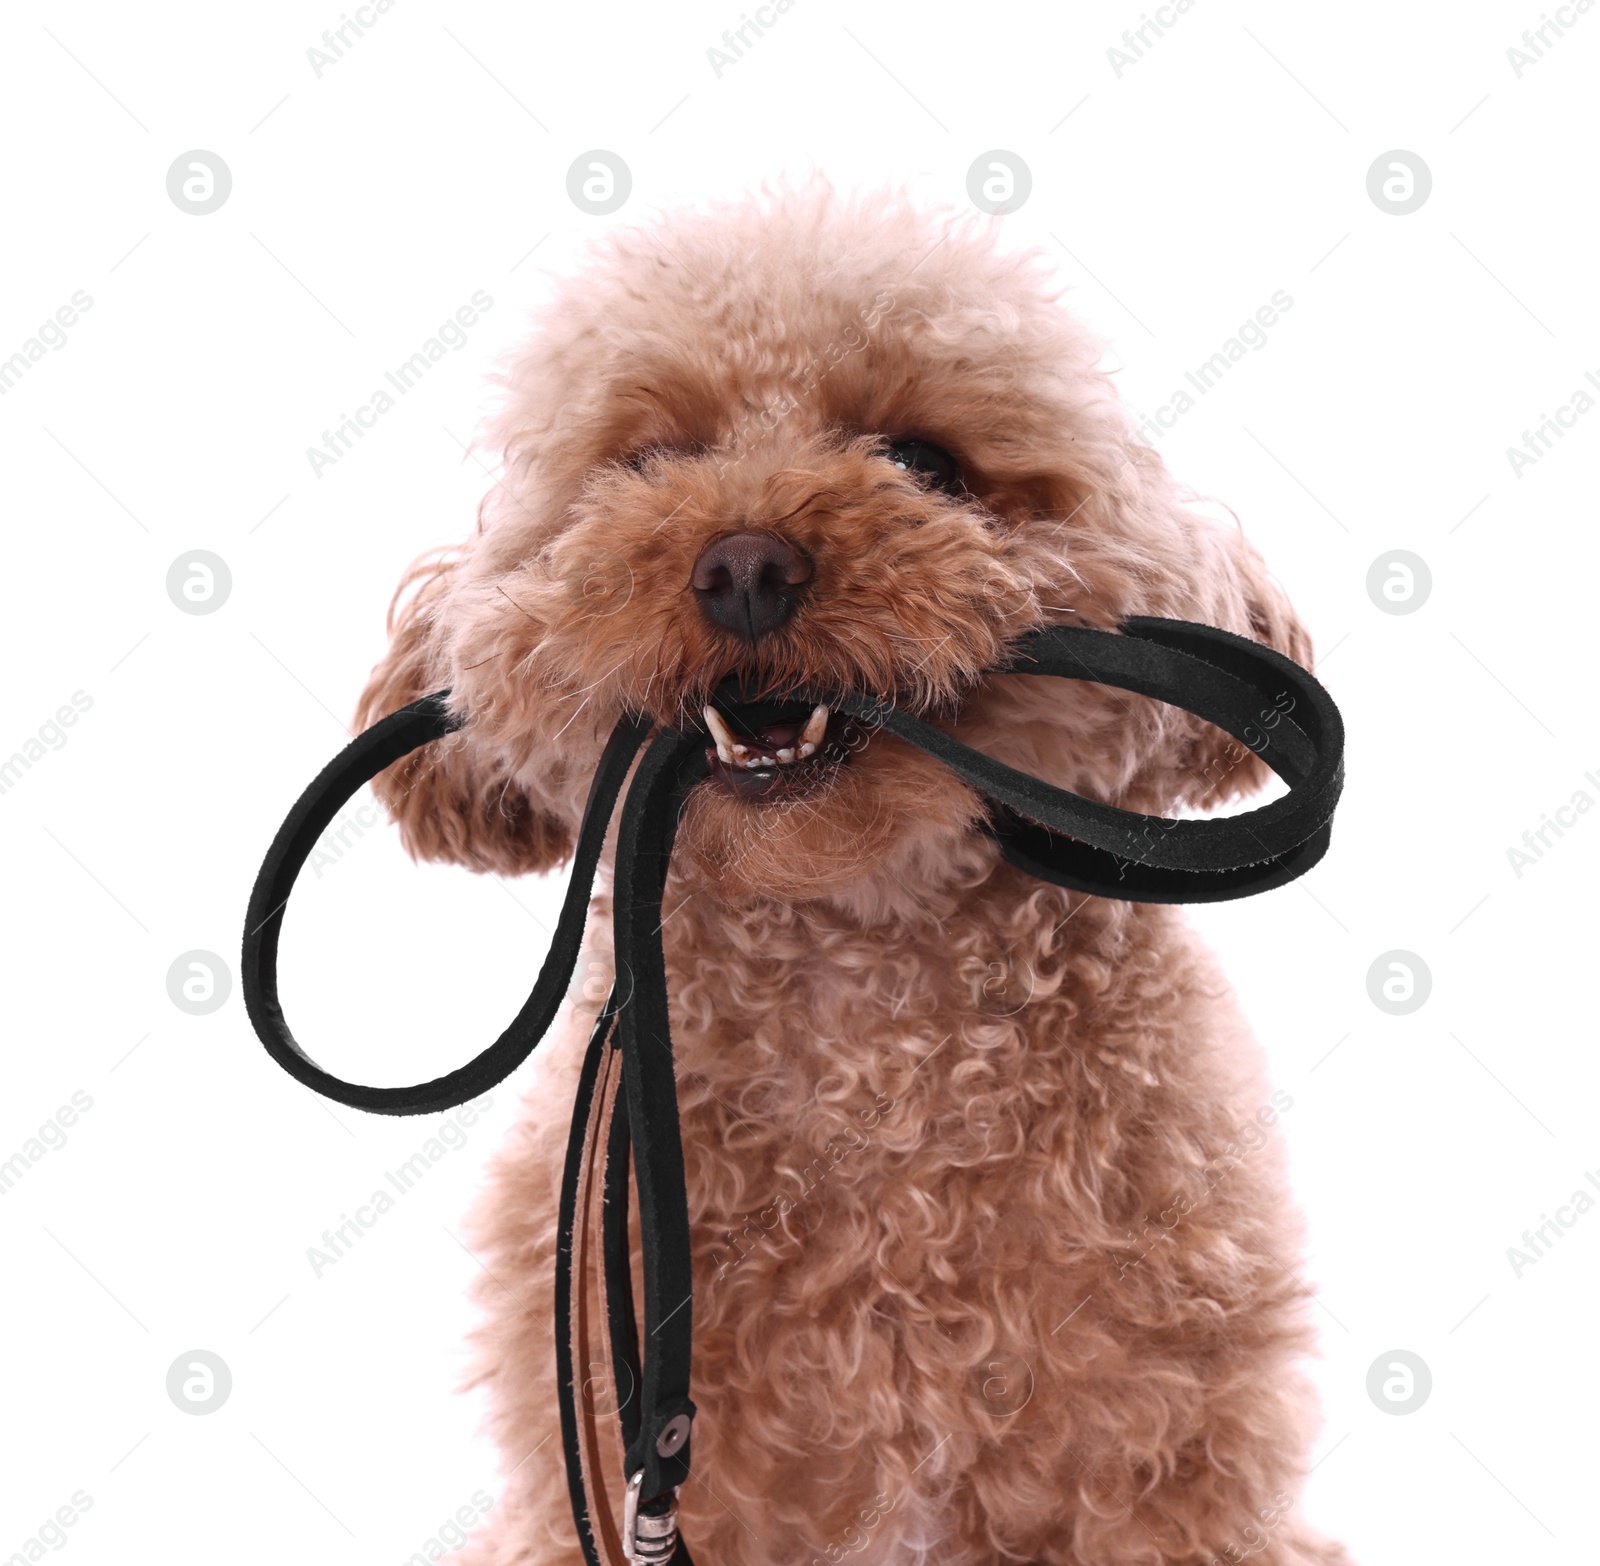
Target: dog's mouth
x=763 y=749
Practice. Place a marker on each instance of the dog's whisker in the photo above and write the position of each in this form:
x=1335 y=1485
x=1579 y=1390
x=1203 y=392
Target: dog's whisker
x=515 y=605
x=577 y=712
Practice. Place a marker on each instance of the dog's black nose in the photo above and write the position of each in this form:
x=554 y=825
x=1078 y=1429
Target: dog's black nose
x=749 y=583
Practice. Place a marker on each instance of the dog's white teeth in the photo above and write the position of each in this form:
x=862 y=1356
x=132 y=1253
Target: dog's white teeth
x=720 y=731
x=732 y=753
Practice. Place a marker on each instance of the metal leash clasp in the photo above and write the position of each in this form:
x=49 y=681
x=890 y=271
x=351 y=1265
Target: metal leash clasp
x=648 y=1540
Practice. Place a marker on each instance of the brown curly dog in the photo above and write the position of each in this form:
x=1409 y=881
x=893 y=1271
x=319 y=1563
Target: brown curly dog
x=993 y=1256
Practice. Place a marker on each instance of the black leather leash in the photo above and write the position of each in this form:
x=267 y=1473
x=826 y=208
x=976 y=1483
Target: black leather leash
x=627 y=1110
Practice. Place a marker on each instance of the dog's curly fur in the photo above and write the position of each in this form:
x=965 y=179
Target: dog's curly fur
x=993 y=1258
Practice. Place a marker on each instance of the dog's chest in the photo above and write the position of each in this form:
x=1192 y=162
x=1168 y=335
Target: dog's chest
x=835 y=1096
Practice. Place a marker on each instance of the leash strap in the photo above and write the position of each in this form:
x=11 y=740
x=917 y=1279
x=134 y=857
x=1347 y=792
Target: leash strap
x=587 y=1458
x=1267 y=702
x=627 y=1108
x=358 y=763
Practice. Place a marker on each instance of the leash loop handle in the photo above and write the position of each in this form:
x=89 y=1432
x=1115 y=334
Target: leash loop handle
x=1267 y=702
x=393 y=737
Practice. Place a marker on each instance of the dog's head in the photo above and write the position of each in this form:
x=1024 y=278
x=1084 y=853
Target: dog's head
x=810 y=445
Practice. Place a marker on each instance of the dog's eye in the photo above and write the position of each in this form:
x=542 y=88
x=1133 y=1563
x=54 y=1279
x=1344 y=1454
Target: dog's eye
x=927 y=461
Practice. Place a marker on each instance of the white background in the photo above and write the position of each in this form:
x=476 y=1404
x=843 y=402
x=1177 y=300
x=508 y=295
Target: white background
x=367 y=205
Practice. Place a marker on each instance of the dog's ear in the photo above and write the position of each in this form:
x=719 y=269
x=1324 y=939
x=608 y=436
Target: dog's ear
x=1235 y=591
x=454 y=801
x=1254 y=601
